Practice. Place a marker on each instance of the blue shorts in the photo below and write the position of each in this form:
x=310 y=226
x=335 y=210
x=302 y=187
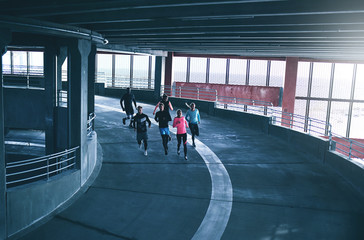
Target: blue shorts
x=164 y=131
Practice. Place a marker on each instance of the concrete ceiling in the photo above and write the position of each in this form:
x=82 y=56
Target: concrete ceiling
x=328 y=29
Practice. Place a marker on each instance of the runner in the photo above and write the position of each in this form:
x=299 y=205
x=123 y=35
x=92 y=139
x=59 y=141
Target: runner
x=167 y=106
x=162 y=117
x=141 y=120
x=193 y=118
x=128 y=99
x=180 y=123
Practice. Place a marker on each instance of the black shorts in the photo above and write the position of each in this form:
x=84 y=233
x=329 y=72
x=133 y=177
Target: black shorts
x=194 y=129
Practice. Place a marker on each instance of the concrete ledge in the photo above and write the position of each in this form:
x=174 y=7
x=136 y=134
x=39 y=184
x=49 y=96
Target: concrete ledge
x=351 y=170
x=29 y=203
x=313 y=145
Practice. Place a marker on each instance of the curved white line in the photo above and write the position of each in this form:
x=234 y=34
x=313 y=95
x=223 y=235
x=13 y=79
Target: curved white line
x=218 y=213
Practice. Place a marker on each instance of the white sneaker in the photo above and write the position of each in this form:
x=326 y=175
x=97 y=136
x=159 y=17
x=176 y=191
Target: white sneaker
x=145 y=153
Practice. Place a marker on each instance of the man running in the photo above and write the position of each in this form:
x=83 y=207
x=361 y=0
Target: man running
x=180 y=123
x=141 y=120
x=193 y=118
x=128 y=99
x=162 y=117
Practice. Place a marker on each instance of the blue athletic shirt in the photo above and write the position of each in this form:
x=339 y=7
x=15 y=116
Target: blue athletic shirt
x=193 y=116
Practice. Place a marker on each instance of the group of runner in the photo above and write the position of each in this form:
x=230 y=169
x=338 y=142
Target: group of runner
x=140 y=120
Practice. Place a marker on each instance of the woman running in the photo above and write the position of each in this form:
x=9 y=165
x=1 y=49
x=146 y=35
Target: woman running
x=193 y=118
x=180 y=123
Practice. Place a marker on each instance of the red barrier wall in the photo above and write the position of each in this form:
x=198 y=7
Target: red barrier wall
x=270 y=94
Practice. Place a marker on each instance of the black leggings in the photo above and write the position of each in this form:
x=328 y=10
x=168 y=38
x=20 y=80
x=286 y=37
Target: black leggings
x=179 y=138
x=165 y=141
x=145 y=141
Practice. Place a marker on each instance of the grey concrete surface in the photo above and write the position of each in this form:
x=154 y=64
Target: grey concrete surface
x=278 y=191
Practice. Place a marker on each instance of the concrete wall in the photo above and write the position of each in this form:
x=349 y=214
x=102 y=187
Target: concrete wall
x=29 y=204
x=24 y=108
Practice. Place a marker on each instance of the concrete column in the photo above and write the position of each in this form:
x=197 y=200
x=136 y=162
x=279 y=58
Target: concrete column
x=50 y=78
x=289 y=92
x=159 y=75
x=91 y=79
x=169 y=70
x=78 y=98
x=5 y=37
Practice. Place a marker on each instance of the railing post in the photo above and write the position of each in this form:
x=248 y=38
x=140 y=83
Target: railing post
x=309 y=125
x=180 y=92
x=351 y=145
x=47 y=168
x=198 y=93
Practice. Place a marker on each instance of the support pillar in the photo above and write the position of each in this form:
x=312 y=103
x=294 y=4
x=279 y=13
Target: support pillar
x=5 y=37
x=91 y=79
x=159 y=76
x=61 y=57
x=78 y=99
x=169 y=70
x=289 y=92
x=50 y=78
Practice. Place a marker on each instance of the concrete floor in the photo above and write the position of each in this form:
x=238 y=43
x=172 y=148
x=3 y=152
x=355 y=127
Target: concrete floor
x=277 y=192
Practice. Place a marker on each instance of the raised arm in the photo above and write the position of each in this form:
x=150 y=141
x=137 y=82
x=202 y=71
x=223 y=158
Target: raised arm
x=156 y=107
x=170 y=105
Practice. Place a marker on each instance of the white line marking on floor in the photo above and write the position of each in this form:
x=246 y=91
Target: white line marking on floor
x=218 y=213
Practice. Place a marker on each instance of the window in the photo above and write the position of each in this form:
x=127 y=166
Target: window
x=237 y=72
x=198 y=70
x=343 y=77
x=20 y=62
x=6 y=59
x=36 y=62
x=122 y=67
x=357 y=120
x=303 y=72
x=179 y=69
x=104 y=68
x=217 y=70
x=359 y=83
x=277 y=73
x=339 y=117
x=321 y=80
x=258 y=73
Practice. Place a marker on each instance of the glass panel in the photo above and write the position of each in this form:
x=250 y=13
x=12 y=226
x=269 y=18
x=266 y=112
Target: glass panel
x=64 y=71
x=303 y=74
x=104 y=71
x=359 y=83
x=179 y=69
x=140 y=71
x=299 y=114
x=321 y=80
x=339 y=117
x=357 y=120
x=36 y=63
x=277 y=73
x=198 y=70
x=318 y=111
x=153 y=72
x=20 y=62
x=237 y=71
x=6 y=63
x=217 y=71
x=258 y=72
x=343 y=77
x=122 y=67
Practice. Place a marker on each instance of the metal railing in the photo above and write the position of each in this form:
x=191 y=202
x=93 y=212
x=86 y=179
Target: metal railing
x=62 y=98
x=190 y=92
x=349 y=147
x=90 y=123
x=30 y=170
x=124 y=82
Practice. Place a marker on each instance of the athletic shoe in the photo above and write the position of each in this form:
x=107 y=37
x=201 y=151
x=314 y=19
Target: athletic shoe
x=145 y=153
x=186 y=158
x=178 y=152
x=124 y=121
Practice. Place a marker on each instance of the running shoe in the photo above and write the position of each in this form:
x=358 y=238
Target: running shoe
x=186 y=158
x=124 y=121
x=145 y=153
x=166 y=152
x=178 y=152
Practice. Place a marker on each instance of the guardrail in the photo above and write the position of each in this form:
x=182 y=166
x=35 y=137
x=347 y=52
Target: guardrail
x=349 y=147
x=124 y=82
x=30 y=170
x=62 y=98
x=90 y=123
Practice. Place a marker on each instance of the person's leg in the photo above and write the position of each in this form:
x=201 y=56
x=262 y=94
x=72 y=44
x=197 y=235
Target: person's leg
x=165 y=142
x=179 y=139
x=145 y=140
x=193 y=133
x=185 y=145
